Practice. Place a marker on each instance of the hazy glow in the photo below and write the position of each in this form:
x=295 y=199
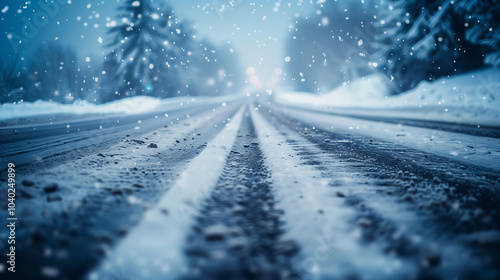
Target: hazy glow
x=250 y=71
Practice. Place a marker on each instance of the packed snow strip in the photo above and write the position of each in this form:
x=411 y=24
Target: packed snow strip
x=317 y=219
x=130 y=153
x=130 y=105
x=77 y=178
x=482 y=151
x=409 y=224
x=154 y=249
x=471 y=98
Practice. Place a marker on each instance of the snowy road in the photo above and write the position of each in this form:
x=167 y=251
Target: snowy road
x=253 y=190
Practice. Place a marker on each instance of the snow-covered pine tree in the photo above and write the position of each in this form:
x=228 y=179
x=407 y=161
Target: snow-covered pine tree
x=483 y=27
x=178 y=40
x=419 y=27
x=429 y=42
x=149 y=54
x=133 y=49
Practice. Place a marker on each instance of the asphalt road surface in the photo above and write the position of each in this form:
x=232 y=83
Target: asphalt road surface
x=251 y=190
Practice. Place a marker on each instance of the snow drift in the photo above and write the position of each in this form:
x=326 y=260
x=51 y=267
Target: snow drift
x=472 y=98
x=131 y=105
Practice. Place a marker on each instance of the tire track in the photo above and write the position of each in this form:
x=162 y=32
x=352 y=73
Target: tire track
x=473 y=186
x=237 y=233
x=270 y=197
x=37 y=146
x=384 y=194
x=163 y=228
x=98 y=198
x=482 y=153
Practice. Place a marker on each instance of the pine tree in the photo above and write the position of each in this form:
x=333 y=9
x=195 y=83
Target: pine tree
x=134 y=45
x=150 y=53
x=435 y=39
x=483 y=27
x=179 y=45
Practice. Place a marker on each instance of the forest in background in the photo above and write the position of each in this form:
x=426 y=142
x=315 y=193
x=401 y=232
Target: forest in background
x=409 y=41
x=150 y=52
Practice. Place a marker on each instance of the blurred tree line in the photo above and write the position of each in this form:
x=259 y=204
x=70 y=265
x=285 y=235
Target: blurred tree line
x=151 y=52
x=407 y=40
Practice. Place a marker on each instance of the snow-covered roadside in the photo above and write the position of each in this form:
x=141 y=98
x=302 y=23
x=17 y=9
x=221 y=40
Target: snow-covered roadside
x=131 y=105
x=153 y=250
x=318 y=219
x=472 y=98
x=482 y=151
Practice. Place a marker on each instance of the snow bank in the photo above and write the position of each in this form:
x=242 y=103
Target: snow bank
x=471 y=98
x=358 y=93
x=131 y=105
x=137 y=104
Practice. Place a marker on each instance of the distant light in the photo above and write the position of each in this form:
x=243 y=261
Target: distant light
x=149 y=87
x=254 y=80
x=287 y=59
x=250 y=71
